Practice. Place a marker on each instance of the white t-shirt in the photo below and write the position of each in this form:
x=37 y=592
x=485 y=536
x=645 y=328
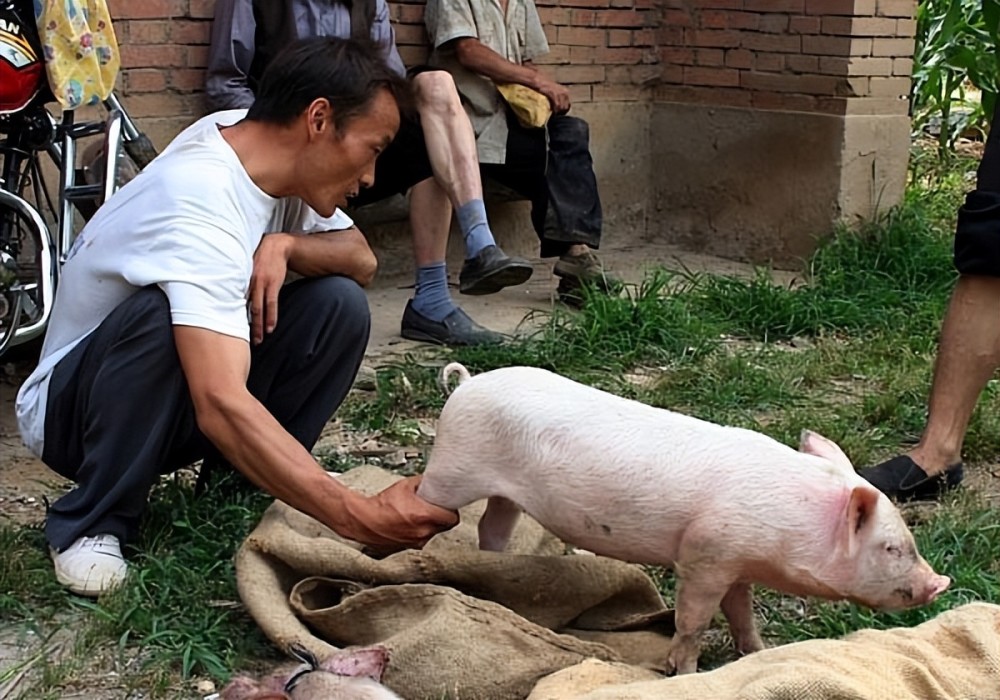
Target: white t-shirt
x=189 y=223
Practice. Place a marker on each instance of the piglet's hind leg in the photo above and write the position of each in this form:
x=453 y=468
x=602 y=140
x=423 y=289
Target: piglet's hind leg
x=497 y=523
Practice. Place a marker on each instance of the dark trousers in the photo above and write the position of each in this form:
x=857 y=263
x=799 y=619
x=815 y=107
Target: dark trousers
x=977 y=235
x=119 y=413
x=553 y=169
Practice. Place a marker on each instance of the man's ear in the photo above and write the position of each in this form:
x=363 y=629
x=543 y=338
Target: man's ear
x=319 y=118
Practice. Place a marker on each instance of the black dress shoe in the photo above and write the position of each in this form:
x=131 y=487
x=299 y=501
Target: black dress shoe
x=456 y=329
x=902 y=479
x=491 y=270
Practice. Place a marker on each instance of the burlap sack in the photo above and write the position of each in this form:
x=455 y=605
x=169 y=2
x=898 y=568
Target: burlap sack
x=458 y=622
x=955 y=656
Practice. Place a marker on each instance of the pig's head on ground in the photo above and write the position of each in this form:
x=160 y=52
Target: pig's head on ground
x=874 y=561
x=351 y=674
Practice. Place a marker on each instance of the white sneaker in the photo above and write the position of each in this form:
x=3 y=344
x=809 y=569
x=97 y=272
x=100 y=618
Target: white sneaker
x=91 y=566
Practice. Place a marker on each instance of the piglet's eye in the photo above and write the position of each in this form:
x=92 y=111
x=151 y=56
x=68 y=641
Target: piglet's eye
x=894 y=550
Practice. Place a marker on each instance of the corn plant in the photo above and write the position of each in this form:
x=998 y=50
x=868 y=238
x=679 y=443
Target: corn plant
x=956 y=53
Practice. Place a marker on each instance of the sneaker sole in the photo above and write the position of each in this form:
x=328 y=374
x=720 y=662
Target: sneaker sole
x=88 y=588
x=507 y=276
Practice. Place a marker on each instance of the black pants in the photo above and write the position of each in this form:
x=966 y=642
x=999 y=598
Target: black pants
x=977 y=235
x=119 y=413
x=553 y=169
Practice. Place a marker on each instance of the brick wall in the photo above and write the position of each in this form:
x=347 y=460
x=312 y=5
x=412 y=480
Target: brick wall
x=827 y=56
x=600 y=53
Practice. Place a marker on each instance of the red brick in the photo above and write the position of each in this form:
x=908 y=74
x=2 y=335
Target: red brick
x=795 y=6
x=677 y=18
x=413 y=55
x=580 y=93
x=777 y=43
x=146 y=9
x=710 y=57
x=619 y=37
x=775 y=82
x=621 y=18
x=677 y=56
x=414 y=14
x=770 y=62
x=890 y=87
x=906 y=27
x=902 y=66
x=198 y=9
x=582 y=55
x=773 y=24
x=583 y=18
x=804 y=25
x=154 y=56
x=721 y=77
x=187 y=79
x=723 y=38
x=629 y=55
x=802 y=64
x=411 y=34
x=873 y=26
x=197 y=57
x=145 y=80
x=190 y=32
x=883 y=46
x=554 y=15
x=644 y=37
x=830 y=7
x=617 y=93
x=739 y=58
x=896 y=8
x=782 y=101
x=836 y=46
x=156 y=31
x=578 y=74
x=582 y=36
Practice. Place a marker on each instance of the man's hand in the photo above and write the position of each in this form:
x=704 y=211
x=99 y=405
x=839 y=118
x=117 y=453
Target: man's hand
x=270 y=264
x=558 y=95
x=397 y=518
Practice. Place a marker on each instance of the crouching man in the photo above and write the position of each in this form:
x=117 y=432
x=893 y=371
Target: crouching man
x=152 y=359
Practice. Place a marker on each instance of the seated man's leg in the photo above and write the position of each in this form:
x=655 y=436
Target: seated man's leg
x=118 y=412
x=451 y=149
x=528 y=170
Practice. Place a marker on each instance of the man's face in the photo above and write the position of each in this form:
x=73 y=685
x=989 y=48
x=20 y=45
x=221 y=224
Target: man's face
x=340 y=162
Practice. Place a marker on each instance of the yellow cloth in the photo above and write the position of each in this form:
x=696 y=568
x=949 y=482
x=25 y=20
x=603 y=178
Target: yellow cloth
x=81 y=52
x=531 y=107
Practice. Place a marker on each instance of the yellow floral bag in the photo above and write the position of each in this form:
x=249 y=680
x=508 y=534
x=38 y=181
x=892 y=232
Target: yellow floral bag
x=81 y=52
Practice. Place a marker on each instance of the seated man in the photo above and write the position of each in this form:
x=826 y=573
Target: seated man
x=150 y=360
x=434 y=154
x=484 y=43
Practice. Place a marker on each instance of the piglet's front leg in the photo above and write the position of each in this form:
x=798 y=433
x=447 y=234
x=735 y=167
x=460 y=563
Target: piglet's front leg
x=696 y=604
x=737 y=606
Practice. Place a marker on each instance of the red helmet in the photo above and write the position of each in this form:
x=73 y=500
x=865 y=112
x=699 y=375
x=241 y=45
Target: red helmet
x=22 y=70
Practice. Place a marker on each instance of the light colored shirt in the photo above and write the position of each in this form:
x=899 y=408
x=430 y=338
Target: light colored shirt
x=516 y=35
x=189 y=223
x=234 y=36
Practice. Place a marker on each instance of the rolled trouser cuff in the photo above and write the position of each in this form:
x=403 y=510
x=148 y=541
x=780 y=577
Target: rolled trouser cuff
x=977 y=235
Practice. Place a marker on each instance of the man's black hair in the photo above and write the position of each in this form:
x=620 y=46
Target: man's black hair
x=347 y=72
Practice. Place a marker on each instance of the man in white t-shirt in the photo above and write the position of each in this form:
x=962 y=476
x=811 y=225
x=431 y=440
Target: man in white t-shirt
x=172 y=333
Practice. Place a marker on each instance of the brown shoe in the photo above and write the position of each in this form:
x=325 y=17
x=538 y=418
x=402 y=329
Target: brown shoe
x=580 y=270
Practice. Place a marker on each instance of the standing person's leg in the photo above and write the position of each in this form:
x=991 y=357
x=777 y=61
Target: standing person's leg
x=117 y=407
x=451 y=149
x=968 y=350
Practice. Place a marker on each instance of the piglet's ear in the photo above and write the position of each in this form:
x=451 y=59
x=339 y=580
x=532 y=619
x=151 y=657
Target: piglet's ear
x=860 y=514
x=367 y=662
x=815 y=444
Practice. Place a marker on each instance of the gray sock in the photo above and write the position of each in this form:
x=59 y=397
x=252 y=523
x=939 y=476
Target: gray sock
x=475 y=227
x=432 y=299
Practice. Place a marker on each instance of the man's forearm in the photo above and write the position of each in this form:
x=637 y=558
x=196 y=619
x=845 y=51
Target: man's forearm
x=481 y=59
x=256 y=444
x=344 y=253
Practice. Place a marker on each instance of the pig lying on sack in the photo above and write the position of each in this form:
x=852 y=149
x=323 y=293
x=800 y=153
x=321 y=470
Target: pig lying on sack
x=352 y=674
x=725 y=507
